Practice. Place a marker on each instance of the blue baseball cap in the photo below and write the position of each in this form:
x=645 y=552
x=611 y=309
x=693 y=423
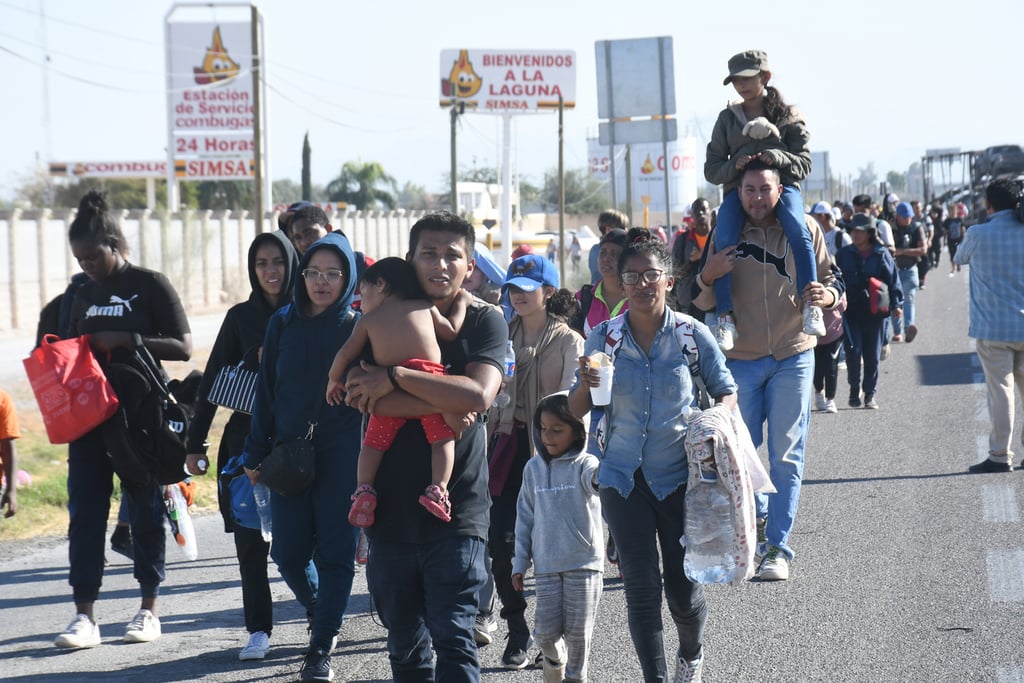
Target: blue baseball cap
x=487 y=264
x=904 y=210
x=530 y=272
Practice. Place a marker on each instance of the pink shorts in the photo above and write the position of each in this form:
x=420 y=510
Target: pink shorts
x=381 y=431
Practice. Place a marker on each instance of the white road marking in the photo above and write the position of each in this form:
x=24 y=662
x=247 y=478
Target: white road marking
x=1005 y=569
x=999 y=503
x=1006 y=674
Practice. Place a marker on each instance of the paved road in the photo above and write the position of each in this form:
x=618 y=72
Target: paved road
x=908 y=569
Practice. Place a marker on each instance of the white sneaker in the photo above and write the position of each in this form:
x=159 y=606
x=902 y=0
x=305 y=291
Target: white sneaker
x=256 y=648
x=725 y=332
x=774 y=566
x=814 y=321
x=689 y=671
x=819 y=400
x=484 y=628
x=830 y=406
x=81 y=632
x=144 y=628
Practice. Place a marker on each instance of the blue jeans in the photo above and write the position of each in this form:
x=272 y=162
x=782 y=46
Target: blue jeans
x=790 y=212
x=641 y=523
x=863 y=342
x=778 y=392
x=315 y=524
x=909 y=281
x=426 y=595
x=90 y=484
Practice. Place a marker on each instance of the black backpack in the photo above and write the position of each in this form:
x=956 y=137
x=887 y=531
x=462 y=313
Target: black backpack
x=145 y=439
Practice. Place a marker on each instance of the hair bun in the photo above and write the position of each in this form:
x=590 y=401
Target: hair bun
x=637 y=235
x=93 y=203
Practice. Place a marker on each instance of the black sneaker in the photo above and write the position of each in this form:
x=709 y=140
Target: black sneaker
x=121 y=541
x=855 y=399
x=869 y=402
x=988 y=465
x=316 y=667
x=516 y=656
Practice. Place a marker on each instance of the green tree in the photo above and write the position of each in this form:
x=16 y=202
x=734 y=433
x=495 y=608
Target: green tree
x=583 y=192
x=413 y=196
x=365 y=185
x=218 y=195
x=896 y=181
x=307 y=182
x=285 y=191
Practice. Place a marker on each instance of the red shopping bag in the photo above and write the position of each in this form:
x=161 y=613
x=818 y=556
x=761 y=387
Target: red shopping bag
x=71 y=389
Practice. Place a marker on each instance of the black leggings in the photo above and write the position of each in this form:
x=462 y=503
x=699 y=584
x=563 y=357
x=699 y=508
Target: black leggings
x=826 y=367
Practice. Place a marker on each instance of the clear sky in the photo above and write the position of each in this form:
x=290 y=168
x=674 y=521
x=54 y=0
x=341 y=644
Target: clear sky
x=879 y=80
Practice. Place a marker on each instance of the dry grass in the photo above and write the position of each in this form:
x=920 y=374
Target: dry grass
x=43 y=506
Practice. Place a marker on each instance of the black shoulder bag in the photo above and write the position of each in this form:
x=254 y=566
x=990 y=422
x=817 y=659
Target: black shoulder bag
x=290 y=467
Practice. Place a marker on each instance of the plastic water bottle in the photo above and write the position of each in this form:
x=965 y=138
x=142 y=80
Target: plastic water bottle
x=503 y=398
x=709 y=531
x=184 y=532
x=262 y=496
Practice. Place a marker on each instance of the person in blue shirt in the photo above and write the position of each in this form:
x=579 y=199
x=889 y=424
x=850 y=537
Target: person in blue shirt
x=995 y=252
x=643 y=471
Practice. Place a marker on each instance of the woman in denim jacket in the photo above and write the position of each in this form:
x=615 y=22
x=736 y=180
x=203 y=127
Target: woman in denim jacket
x=643 y=468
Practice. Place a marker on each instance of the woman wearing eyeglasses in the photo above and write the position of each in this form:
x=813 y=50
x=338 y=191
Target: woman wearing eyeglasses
x=643 y=470
x=298 y=349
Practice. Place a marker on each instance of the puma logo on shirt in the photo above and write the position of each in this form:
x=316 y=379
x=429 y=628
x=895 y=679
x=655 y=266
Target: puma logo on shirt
x=114 y=310
x=758 y=253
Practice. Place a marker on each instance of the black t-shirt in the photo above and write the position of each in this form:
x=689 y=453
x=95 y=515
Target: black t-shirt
x=405 y=469
x=131 y=299
x=910 y=237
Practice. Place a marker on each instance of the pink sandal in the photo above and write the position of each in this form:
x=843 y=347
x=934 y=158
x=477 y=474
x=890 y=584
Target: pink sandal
x=435 y=500
x=364 y=502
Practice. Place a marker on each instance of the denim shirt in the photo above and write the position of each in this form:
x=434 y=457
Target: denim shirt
x=649 y=391
x=995 y=252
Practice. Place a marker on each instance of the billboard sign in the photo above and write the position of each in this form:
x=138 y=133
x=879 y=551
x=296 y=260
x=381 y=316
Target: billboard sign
x=647 y=171
x=508 y=81
x=210 y=100
x=109 y=169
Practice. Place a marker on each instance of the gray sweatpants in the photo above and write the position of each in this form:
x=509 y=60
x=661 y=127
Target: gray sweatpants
x=566 y=611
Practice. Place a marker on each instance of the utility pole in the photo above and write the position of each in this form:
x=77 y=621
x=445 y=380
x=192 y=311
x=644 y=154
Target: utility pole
x=257 y=119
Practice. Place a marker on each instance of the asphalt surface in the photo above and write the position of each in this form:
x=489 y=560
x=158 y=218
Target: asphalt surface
x=908 y=569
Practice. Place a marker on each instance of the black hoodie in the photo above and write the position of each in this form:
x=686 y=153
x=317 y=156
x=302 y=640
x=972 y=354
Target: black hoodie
x=241 y=332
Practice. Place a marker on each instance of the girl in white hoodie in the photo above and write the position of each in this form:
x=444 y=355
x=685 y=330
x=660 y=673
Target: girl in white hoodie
x=558 y=529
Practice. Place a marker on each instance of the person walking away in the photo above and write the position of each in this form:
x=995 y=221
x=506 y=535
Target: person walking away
x=559 y=532
x=995 y=251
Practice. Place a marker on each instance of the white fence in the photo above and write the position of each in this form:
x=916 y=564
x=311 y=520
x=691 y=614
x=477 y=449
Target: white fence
x=203 y=253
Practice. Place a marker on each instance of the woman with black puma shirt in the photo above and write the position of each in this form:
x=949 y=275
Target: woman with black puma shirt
x=119 y=301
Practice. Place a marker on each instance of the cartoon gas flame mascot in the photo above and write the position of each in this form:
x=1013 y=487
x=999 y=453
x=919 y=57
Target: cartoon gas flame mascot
x=463 y=81
x=648 y=166
x=217 y=65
